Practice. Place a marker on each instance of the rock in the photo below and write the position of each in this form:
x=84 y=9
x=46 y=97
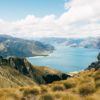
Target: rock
x=98 y=56
x=39 y=75
x=95 y=65
x=51 y=78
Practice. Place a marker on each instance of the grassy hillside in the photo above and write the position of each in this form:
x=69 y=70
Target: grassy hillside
x=12 y=78
x=82 y=86
x=16 y=72
x=19 y=80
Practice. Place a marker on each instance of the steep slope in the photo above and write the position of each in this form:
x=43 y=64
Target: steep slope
x=82 y=86
x=20 y=72
x=91 y=42
x=95 y=65
x=11 y=46
x=84 y=42
x=52 y=40
x=12 y=78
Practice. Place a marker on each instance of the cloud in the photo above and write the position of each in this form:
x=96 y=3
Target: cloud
x=81 y=19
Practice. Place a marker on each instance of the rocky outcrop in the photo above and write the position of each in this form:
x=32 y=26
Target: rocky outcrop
x=20 y=64
x=41 y=75
x=50 y=78
x=98 y=57
x=95 y=65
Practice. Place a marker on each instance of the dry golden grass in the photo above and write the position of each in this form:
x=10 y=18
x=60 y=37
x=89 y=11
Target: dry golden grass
x=10 y=77
x=58 y=88
x=83 y=86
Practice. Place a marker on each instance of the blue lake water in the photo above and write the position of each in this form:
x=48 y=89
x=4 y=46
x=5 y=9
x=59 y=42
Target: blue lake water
x=67 y=59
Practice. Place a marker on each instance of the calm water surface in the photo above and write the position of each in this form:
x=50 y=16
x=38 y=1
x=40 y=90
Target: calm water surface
x=67 y=59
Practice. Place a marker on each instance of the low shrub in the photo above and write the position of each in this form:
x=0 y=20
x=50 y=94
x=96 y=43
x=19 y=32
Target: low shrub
x=44 y=89
x=69 y=85
x=58 y=88
x=33 y=91
x=86 y=89
x=98 y=84
x=47 y=97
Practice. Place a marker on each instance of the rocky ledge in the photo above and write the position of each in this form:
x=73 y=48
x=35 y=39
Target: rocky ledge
x=95 y=65
x=40 y=75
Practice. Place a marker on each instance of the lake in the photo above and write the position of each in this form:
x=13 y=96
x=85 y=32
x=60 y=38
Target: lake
x=67 y=59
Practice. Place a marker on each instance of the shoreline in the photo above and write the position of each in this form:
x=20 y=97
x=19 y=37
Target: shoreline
x=40 y=56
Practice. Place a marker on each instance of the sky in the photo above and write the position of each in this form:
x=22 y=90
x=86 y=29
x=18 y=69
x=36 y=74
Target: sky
x=17 y=9
x=50 y=18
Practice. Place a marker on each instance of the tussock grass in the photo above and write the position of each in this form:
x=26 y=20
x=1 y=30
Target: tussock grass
x=47 y=96
x=92 y=97
x=86 y=89
x=98 y=84
x=58 y=88
x=70 y=84
x=70 y=96
x=33 y=91
x=83 y=86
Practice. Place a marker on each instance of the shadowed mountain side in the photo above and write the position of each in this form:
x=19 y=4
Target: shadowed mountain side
x=84 y=85
x=11 y=46
x=95 y=65
x=89 y=42
x=21 y=72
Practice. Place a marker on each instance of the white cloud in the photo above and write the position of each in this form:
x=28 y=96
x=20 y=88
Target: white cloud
x=81 y=20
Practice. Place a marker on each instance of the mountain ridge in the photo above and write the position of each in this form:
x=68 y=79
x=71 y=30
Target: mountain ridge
x=12 y=46
x=90 y=42
x=20 y=71
x=84 y=85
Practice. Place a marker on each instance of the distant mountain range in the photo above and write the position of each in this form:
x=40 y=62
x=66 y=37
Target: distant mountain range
x=52 y=40
x=90 y=43
x=73 y=42
x=11 y=46
x=20 y=80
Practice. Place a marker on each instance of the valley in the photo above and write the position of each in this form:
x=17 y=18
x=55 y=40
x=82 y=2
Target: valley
x=84 y=85
x=49 y=49
x=67 y=59
x=53 y=72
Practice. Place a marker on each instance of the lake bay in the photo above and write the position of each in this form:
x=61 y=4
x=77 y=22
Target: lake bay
x=67 y=59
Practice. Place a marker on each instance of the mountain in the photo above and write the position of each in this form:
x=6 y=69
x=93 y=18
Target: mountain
x=10 y=77
x=84 y=42
x=84 y=85
x=91 y=42
x=52 y=40
x=11 y=46
x=16 y=71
